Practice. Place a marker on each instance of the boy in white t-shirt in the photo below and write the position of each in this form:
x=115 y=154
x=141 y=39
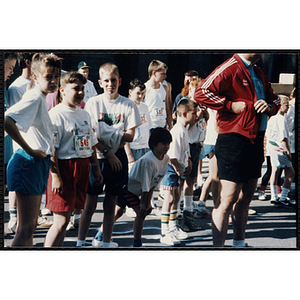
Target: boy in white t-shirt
x=280 y=154
x=75 y=148
x=114 y=119
x=156 y=94
x=145 y=175
x=178 y=165
x=139 y=146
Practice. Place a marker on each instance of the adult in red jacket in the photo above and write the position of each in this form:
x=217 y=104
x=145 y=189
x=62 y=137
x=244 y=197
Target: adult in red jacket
x=243 y=97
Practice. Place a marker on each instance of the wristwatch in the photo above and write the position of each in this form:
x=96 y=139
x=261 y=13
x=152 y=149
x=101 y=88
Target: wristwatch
x=105 y=151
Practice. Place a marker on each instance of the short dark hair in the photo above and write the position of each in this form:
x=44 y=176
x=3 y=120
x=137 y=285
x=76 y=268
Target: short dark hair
x=136 y=83
x=23 y=56
x=10 y=55
x=191 y=73
x=159 y=135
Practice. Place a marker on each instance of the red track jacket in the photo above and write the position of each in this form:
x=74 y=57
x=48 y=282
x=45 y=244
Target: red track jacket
x=231 y=82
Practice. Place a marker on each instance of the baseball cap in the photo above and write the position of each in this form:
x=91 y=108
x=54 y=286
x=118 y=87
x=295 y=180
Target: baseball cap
x=83 y=64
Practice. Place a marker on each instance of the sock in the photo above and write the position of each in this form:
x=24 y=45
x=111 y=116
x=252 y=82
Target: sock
x=188 y=203
x=13 y=212
x=99 y=236
x=278 y=189
x=273 y=192
x=262 y=188
x=77 y=216
x=137 y=242
x=199 y=180
x=165 y=216
x=178 y=205
x=172 y=220
x=238 y=243
x=80 y=243
x=43 y=203
x=284 y=194
x=293 y=186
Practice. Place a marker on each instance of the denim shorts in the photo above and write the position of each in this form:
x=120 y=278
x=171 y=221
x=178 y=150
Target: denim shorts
x=208 y=149
x=170 y=180
x=116 y=183
x=26 y=174
x=138 y=153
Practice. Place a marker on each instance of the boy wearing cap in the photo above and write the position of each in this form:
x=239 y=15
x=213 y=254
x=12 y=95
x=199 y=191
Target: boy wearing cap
x=89 y=88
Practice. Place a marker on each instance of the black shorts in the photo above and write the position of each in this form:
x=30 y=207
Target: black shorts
x=129 y=199
x=116 y=183
x=238 y=159
x=195 y=150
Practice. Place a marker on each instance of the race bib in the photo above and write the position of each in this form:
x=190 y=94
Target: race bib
x=83 y=145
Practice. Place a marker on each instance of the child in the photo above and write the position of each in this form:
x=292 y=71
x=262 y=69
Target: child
x=114 y=118
x=279 y=150
x=156 y=94
x=144 y=176
x=70 y=165
x=28 y=169
x=139 y=146
x=178 y=165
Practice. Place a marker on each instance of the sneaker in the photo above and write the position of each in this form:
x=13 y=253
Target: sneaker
x=169 y=239
x=99 y=244
x=196 y=193
x=70 y=226
x=251 y=212
x=155 y=212
x=130 y=212
x=262 y=196
x=179 y=234
x=46 y=212
x=287 y=203
x=275 y=201
x=188 y=219
x=12 y=225
x=202 y=212
x=44 y=222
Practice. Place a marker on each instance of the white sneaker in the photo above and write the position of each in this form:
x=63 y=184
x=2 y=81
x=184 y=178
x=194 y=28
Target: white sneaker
x=169 y=239
x=12 y=225
x=46 y=212
x=179 y=234
x=262 y=196
x=99 y=244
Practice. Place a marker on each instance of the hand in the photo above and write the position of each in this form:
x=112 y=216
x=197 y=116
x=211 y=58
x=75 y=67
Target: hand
x=57 y=184
x=145 y=209
x=261 y=106
x=98 y=177
x=238 y=107
x=114 y=162
x=37 y=154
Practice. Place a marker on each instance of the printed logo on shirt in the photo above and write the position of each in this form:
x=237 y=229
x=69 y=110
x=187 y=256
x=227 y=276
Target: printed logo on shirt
x=245 y=82
x=111 y=119
x=143 y=118
x=159 y=112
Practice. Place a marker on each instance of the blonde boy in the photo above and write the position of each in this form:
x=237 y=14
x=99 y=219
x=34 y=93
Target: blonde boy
x=178 y=164
x=114 y=119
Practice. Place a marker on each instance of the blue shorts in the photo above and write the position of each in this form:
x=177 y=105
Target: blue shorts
x=208 y=149
x=279 y=160
x=138 y=153
x=27 y=175
x=202 y=154
x=171 y=180
x=116 y=183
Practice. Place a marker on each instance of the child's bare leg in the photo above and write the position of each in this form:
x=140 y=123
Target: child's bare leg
x=289 y=175
x=86 y=216
x=28 y=207
x=109 y=205
x=139 y=223
x=56 y=233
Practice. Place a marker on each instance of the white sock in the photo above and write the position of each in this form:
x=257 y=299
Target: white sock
x=238 y=243
x=43 y=203
x=188 y=203
x=273 y=192
x=284 y=193
x=80 y=243
x=77 y=216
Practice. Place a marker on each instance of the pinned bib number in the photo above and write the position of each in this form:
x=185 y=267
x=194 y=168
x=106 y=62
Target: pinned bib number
x=83 y=145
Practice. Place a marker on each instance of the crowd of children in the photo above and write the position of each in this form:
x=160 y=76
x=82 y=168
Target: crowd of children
x=84 y=144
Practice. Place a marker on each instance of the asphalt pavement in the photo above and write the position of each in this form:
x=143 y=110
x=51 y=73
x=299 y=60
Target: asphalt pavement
x=272 y=227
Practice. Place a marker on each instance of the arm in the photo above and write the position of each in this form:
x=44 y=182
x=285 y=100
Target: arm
x=285 y=143
x=95 y=167
x=169 y=105
x=13 y=131
x=129 y=153
x=174 y=163
x=57 y=183
x=128 y=136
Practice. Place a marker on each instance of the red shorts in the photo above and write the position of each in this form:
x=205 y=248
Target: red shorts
x=75 y=177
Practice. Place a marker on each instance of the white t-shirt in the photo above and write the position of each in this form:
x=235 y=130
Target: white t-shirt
x=141 y=136
x=74 y=135
x=17 y=89
x=156 y=102
x=33 y=121
x=197 y=132
x=179 y=147
x=89 y=91
x=277 y=131
x=118 y=115
x=211 y=132
x=290 y=118
x=146 y=173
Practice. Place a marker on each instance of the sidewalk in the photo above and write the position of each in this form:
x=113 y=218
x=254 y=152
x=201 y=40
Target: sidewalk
x=272 y=227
